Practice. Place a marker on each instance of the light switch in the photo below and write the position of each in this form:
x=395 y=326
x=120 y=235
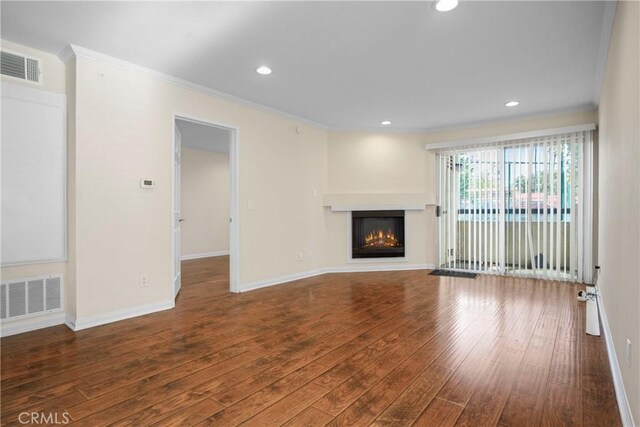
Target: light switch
x=250 y=205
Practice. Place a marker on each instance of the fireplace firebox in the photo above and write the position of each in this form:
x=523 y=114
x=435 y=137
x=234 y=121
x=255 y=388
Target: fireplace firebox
x=377 y=234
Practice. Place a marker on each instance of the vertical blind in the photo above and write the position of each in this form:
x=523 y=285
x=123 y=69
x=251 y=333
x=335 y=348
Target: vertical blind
x=516 y=207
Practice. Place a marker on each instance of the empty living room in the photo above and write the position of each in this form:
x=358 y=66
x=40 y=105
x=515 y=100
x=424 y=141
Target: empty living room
x=310 y=213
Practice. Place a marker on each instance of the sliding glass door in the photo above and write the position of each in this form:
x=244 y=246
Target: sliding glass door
x=514 y=208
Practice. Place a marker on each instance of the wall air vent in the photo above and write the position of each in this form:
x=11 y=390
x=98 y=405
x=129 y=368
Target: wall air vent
x=22 y=298
x=20 y=67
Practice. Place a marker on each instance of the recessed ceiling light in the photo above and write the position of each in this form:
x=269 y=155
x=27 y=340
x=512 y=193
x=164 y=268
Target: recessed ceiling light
x=385 y=123
x=446 y=5
x=512 y=104
x=264 y=70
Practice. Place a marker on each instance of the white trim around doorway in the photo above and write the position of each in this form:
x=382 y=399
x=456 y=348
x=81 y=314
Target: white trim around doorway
x=234 y=240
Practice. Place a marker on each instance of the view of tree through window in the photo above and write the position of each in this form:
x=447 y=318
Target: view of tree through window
x=514 y=208
x=529 y=185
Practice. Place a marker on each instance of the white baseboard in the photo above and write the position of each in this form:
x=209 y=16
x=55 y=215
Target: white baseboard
x=77 y=324
x=19 y=326
x=204 y=255
x=114 y=316
x=343 y=269
x=355 y=268
x=70 y=322
x=279 y=280
x=621 y=395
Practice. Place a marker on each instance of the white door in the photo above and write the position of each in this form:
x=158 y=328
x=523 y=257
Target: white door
x=177 y=220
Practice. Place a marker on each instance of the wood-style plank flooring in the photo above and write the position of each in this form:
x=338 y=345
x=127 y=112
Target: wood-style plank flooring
x=356 y=349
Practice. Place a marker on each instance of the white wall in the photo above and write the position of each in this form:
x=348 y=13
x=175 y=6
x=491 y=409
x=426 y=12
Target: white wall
x=619 y=192
x=54 y=81
x=120 y=130
x=361 y=162
x=123 y=132
x=72 y=246
x=53 y=70
x=205 y=195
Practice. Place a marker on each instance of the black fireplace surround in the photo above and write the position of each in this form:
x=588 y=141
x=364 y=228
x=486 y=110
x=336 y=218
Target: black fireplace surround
x=377 y=234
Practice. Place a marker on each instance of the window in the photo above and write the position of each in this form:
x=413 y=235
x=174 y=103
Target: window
x=514 y=207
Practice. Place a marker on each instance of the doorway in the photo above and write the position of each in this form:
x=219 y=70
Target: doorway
x=205 y=218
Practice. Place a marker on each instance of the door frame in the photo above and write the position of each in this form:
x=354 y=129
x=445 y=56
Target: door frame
x=176 y=205
x=440 y=205
x=234 y=231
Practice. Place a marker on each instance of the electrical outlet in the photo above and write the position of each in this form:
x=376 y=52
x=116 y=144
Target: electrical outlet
x=628 y=352
x=143 y=281
x=300 y=256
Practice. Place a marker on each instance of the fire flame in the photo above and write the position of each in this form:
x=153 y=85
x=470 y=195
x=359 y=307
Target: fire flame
x=378 y=238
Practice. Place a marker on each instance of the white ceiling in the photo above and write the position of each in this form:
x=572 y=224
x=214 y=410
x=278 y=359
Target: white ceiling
x=349 y=64
x=203 y=137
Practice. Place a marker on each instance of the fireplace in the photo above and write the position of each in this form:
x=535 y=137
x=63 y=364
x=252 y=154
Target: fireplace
x=377 y=234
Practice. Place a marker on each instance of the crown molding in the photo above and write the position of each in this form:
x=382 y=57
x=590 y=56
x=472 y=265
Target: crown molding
x=603 y=48
x=67 y=54
x=73 y=51
x=471 y=125
x=513 y=119
x=488 y=141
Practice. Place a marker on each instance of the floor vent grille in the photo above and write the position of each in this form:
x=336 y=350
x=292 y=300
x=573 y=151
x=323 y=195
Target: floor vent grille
x=20 y=298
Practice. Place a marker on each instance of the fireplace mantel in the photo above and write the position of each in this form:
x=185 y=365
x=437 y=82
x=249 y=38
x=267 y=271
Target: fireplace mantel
x=347 y=202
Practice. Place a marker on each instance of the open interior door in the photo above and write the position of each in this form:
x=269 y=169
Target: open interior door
x=177 y=219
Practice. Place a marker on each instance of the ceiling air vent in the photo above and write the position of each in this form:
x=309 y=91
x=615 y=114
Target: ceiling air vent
x=20 y=67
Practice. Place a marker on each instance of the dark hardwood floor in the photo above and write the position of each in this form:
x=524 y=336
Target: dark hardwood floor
x=391 y=348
